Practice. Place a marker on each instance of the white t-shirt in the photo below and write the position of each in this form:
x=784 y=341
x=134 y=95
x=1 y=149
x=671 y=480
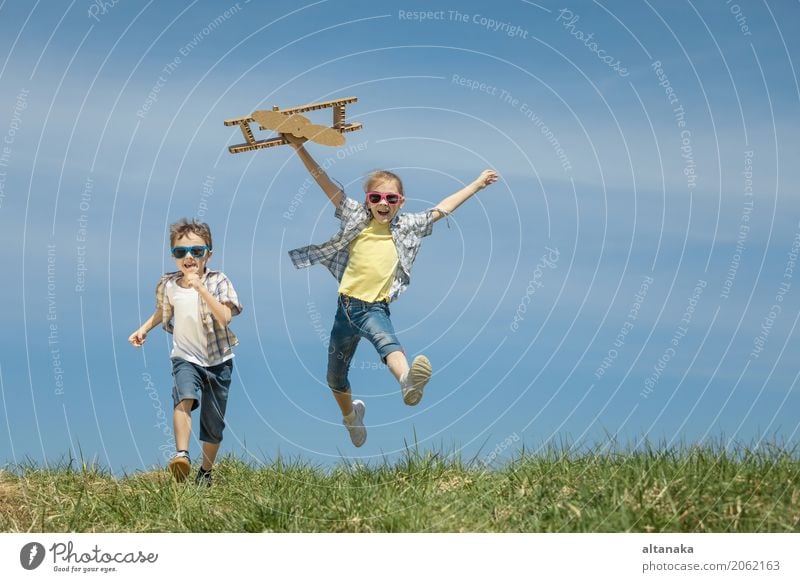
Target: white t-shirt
x=189 y=340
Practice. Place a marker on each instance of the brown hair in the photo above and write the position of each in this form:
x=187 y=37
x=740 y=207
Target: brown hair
x=184 y=227
x=381 y=176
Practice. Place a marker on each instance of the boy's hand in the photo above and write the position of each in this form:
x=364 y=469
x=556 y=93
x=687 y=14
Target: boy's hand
x=137 y=338
x=487 y=178
x=193 y=280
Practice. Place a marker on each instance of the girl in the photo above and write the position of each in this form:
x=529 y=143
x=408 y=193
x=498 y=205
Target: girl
x=371 y=256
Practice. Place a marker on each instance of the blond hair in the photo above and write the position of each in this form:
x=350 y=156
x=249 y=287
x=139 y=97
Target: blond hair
x=382 y=176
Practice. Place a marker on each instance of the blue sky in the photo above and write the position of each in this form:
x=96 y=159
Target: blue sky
x=632 y=169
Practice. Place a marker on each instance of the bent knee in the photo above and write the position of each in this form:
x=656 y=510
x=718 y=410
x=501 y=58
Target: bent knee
x=338 y=382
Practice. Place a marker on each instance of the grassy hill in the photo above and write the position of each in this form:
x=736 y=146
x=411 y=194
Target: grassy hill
x=677 y=490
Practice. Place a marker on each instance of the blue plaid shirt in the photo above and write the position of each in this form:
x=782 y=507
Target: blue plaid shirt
x=220 y=338
x=407 y=231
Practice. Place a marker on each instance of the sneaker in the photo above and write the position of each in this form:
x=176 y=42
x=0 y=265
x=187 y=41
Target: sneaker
x=358 y=433
x=203 y=478
x=414 y=382
x=179 y=466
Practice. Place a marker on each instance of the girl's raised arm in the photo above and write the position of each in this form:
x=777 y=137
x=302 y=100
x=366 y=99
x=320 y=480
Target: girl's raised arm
x=332 y=191
x=456 y=199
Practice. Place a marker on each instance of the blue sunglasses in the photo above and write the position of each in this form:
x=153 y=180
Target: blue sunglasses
x=196 y=252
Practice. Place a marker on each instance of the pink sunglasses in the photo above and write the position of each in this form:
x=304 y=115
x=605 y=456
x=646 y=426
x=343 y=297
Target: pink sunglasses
x=391 y=198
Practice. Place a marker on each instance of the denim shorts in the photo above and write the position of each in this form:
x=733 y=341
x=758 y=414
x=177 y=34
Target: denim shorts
x=210 y=386
x=356 y=319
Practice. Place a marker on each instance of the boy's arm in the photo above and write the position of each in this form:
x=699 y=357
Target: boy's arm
x=332 y=191
x=138 y=337
x=220 y=311
x=449 y=204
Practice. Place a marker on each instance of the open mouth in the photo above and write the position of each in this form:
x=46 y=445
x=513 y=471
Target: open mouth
x=383 y=212
x=190 y=264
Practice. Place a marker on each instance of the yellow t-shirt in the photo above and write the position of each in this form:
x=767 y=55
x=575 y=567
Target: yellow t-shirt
x=371 y=264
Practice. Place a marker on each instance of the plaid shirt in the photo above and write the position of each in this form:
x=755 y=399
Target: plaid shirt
x=220 y=339
x=407 y=232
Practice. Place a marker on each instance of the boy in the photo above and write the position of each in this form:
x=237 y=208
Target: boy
x=371 y=257
x=195 y=305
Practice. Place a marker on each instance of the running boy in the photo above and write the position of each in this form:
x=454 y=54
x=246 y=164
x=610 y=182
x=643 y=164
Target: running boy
x=195 y=305
x=371 y=257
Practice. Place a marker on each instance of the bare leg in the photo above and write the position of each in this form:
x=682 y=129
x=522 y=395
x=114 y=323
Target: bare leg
x=209 y=455
x=344 y=400
x=398 y=364
x=182 y=424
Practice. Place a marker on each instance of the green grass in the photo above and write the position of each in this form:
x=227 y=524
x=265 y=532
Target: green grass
x=676 y=490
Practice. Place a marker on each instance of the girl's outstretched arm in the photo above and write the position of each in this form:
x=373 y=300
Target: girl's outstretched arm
x=332 y=191
x=449 y=204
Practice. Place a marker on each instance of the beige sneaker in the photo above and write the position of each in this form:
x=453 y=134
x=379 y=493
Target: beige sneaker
x=356 y=428
x=414 y=383
x=179 y=466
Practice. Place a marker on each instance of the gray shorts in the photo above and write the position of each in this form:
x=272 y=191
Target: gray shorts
x=208 y=385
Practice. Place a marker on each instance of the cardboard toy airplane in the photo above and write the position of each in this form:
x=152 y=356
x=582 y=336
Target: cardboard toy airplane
x=290 y=121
